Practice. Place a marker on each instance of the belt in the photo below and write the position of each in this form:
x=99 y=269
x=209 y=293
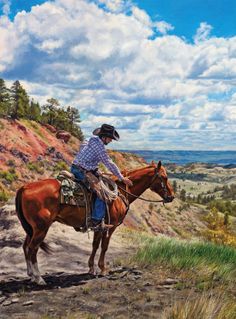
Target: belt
x=84 y=169
x=79 y=167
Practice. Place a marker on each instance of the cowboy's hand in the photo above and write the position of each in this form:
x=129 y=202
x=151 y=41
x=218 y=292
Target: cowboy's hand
x=127 y=181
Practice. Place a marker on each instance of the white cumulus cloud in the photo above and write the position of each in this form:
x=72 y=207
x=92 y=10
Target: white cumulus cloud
x=106 y=58
x=163 y=27
x=203 y=32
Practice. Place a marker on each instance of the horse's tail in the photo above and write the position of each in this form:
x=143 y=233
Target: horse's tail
x=19 y=210
x=26 y=226
x=46 y=248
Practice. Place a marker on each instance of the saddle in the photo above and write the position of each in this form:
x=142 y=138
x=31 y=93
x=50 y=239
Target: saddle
x=81 y=193
x=73 y=192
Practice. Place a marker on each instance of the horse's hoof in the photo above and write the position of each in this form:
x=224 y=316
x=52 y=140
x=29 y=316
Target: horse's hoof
x=92 y=272
x=39 y=281
x=104 y=273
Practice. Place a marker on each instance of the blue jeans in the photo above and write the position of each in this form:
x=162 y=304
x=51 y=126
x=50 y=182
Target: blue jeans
x=99 y=206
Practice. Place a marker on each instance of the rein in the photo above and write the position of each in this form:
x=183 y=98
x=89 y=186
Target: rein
x=139 y=197
x=145 y=199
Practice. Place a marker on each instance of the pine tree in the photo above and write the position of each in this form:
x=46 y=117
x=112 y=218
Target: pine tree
x=175 y=187
x=183 y=195
x=73 y=115
x=51 y=110
x=4 y=99
x=61 y=121
x=20 y=101
x=34 y=111
x=74 y=120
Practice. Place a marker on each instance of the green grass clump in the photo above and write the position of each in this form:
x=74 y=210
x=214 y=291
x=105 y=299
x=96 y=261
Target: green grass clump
x=4 y=196
x=60 y=166
x=9 y=176
x=36 y=167
x=177 y=254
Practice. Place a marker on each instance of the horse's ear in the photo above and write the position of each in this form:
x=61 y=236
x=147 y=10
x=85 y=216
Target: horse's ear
x=159 y=165
x=152 y=163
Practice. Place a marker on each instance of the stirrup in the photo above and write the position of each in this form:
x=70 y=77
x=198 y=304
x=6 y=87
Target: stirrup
x=101 y=226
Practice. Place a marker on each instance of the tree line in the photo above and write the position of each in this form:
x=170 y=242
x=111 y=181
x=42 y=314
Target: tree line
x=15 y=103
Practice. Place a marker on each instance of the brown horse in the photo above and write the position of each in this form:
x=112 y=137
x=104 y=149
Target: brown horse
x=38 y=206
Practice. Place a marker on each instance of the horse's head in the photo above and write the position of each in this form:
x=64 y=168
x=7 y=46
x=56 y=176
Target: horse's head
x=160 y=183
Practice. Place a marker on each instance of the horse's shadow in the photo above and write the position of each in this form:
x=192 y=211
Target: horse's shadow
x=53 y=281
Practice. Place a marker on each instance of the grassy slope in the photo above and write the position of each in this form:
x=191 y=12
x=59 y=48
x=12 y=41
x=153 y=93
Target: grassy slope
x=205 y=269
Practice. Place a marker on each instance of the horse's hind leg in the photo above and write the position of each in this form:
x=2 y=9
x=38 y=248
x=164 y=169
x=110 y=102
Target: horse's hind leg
x=105 y=242
x=96 y=242
x=37 y=239
x=27 y=258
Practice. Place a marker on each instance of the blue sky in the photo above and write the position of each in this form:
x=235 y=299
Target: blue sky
x=163 y=72
x=186 y=15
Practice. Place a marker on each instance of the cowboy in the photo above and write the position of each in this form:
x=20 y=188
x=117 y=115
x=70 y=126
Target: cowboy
x=89 y=156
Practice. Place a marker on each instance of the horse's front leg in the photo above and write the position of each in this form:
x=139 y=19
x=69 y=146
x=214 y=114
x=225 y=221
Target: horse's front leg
x=96 y=242
x=105 y=242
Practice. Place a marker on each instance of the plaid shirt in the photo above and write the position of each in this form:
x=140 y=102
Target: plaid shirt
x=92 y=153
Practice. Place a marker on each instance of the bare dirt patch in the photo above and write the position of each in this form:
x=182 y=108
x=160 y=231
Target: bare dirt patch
x=125 y=293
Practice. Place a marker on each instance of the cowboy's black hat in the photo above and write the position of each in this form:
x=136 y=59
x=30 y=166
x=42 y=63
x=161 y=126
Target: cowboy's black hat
x=107 y=131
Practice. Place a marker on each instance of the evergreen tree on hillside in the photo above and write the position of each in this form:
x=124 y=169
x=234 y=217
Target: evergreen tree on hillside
x=77 y=132
x=61 y=121
x=73 y=116
x=4 y=99
x=183 y=195
x=50 y=111
x=34 y=111
x=68 y=120
x=175 y=186
x=19 y=101
x=74 y=120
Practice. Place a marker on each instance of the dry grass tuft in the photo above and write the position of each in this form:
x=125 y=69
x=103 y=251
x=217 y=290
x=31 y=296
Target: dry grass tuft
x=204 y=307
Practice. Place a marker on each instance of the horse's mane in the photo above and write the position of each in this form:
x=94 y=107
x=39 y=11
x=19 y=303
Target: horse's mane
x=134 y=171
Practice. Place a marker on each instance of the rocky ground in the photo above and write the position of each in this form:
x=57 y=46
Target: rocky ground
x=125 y=293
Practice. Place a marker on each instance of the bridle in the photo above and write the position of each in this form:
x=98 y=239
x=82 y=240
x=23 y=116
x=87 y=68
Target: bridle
x=157 y=175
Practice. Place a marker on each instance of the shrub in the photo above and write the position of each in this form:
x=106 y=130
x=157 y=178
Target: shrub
x=9 y=176
x=223 y=206
x=60 y=166
x=218 y=229
x=36 y=167
x=4 y=196
x=220 y=236
x=182 y=207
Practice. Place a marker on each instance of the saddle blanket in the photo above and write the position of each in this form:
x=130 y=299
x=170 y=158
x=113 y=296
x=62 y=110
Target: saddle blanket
x=72 y=193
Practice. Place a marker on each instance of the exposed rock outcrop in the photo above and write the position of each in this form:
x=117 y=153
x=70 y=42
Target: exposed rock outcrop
x=63 y=135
